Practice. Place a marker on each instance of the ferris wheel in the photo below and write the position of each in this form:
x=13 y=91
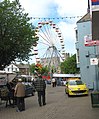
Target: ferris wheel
x=50 y=39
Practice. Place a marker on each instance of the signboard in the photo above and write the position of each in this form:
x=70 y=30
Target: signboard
x=93 y=61
x=89 y=42
x=95 y=2
x=46 y=77
x=95 y=5
x=92 y=43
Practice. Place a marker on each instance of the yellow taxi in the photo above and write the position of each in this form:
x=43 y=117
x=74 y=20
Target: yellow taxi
x=76 y=87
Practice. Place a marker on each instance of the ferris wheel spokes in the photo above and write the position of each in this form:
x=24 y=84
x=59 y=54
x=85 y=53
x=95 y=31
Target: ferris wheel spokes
x=43 y=32
x=50 y=35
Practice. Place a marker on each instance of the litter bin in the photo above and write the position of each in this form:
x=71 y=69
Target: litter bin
x=95 y=99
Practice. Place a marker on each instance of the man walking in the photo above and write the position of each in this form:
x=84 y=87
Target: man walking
x=20 y=94
x=53 y=82
x=40 y=86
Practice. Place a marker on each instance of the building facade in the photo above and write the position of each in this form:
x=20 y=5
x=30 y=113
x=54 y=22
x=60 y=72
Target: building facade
x=11 y=68
x=88 y=72
x=23 y=69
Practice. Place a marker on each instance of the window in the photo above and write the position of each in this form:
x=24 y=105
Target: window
x=76 y=31
x=77 y=56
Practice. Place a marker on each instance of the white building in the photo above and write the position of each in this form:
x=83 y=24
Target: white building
x=11 y=68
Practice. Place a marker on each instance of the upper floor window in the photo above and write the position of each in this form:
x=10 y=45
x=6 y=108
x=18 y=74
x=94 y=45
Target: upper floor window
x=76 y=31
x=78 y=56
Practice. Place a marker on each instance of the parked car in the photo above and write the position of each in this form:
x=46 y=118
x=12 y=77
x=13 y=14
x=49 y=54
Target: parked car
x=76 y=87
x=28 y=82
x=29 y=89
x=48 y=81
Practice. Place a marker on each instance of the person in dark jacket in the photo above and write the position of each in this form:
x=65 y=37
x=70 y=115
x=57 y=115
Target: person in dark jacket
x=10 y=97
x=9 y=94
x=40 y=86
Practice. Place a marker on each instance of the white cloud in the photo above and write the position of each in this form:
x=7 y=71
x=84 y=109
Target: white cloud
x=40 y=8
x=69 y=36
x=58 y=8
x=67 y=30
x=36 y=8
x=71 y=7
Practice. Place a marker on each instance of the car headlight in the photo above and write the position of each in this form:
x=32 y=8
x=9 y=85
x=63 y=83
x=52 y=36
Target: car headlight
x=85 y=88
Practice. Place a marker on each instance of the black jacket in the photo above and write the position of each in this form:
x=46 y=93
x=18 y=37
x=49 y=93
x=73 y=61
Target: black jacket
x=40 y=84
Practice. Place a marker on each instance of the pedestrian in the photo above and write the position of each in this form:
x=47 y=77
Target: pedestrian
x=40 y=86
x=20 y=95
x=10 y=87
x=9 y=94
x=53 y=82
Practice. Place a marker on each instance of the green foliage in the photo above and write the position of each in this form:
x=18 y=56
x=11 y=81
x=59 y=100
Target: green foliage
x=16 y=33
x=69 y=66
x=43 y=70
x=32 y=68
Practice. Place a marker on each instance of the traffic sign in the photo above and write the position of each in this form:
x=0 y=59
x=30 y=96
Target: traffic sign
x=93 y=61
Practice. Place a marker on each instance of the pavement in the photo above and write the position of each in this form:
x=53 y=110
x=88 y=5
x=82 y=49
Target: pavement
x=59 y=106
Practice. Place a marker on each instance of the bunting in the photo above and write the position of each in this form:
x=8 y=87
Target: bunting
x=55 y=18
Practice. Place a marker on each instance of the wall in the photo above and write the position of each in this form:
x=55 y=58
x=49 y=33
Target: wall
x=85 y=53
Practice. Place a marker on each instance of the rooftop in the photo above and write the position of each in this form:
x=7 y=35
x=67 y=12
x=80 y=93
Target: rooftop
x=85 y=18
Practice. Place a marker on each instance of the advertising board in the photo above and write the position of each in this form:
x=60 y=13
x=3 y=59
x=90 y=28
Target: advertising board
x=95 y=5
x=89 y=42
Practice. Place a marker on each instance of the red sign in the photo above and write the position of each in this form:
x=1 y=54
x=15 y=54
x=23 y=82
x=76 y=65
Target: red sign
x=46 y=77
x=92 y=43
x=89 y=42
x=95 y=2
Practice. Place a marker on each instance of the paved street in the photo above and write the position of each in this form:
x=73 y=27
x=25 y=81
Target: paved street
x=59 y=106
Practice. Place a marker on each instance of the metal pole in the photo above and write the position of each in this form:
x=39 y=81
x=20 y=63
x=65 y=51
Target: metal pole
x=88 y=9
x=96 y=69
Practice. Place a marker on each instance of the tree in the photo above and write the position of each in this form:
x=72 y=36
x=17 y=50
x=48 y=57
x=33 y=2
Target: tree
x=69 y=66
x=32 y=68
x=17 y=34
x=38 y=68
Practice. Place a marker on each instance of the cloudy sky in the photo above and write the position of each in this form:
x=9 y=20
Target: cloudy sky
x=58 y=9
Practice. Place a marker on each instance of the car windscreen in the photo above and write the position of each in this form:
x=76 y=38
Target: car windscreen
x=77 y=82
